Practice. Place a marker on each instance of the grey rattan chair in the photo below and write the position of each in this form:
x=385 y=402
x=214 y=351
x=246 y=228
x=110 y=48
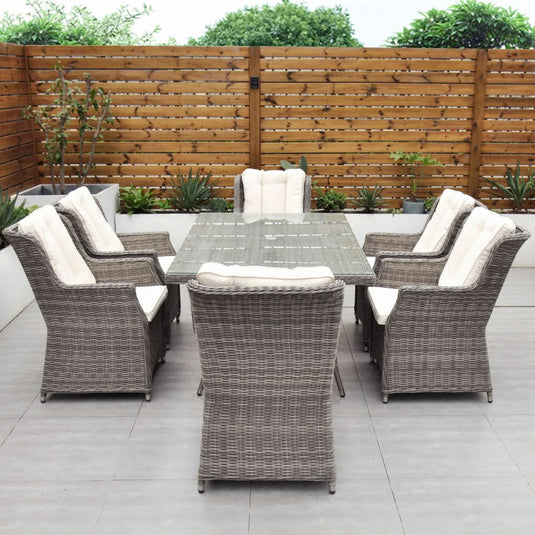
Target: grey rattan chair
x=147 y=244
x=267 y=358
x=239 y=197
x=434 y=339
x=98 y=336
x=400 y=245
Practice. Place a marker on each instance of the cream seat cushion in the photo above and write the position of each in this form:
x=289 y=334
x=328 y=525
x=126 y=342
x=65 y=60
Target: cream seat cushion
x=151 y=299
x=99 y=231
x=273 y=192
x=450 y=205
x=45 y=225
x=382 y=301
x=481 y=231
x=220 y=275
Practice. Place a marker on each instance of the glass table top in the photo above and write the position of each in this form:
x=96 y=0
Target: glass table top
x=309 y=239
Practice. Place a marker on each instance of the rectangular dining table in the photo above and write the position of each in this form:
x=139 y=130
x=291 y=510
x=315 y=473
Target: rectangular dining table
x=289 y=240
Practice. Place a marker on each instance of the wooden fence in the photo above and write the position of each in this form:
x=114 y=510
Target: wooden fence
x=18 y=164
x=345 y=109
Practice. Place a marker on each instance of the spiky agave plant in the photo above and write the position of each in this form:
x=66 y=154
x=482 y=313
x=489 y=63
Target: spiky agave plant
x=192 y=192
x=370 y=199
x=518 y=189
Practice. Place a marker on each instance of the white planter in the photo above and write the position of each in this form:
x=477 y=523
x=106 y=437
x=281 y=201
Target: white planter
x=178 y=225
x=526 y=256
x=107 y=195
x=16 y=291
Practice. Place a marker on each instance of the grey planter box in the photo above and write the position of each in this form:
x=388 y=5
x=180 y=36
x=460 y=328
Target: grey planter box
x=107 y=195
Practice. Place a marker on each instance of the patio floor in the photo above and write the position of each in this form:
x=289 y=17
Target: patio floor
x=422 y=464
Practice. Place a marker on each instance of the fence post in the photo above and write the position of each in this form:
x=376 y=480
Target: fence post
x=254 y=107
x=480 y=88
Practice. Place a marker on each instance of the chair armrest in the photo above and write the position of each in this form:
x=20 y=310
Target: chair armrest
x=148 y=241
x=395 y=272
x=381 y=256
x=140 y=271
x=375 y=242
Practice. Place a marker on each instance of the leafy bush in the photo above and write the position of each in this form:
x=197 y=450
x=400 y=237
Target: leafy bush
x=370 y=199
x=330 y=200
x=137 y=200
x=517 y=189
x=217 y=204
x=9 y=213
x=49 y=23
x=284 y=24
x=468 y=24
x=191 y=193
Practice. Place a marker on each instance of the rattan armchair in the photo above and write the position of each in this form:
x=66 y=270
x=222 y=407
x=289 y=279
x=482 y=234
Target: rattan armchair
x=154 y=245
x=434 y=338
x=99 y=339
x=267 y=358
x=239 y=196
x=381 y=245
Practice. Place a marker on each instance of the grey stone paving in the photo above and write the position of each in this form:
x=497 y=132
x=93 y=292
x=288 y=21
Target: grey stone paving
x=422 y=464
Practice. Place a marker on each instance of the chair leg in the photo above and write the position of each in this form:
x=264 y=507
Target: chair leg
x=200 y=389
x=201 y=485
x=43 y=397
x=338 y=380
x=148 y=396
x=332 y=487
x=489 y=396
x=385 y=398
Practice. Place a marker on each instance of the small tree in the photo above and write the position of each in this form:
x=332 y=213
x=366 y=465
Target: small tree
x=468 y=24
x=284 y=24
x=75 y=100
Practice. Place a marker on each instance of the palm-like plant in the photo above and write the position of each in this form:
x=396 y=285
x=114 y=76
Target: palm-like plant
x=517 y=189
x=370 y=199
x=191 y=193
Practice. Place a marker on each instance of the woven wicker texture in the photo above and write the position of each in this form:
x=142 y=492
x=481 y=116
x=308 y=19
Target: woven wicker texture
x=267 y=358
x=239 y=196
x=98 y=338
x=434 y=339
x=387 y=245
x=310 y=239
x=145 y=244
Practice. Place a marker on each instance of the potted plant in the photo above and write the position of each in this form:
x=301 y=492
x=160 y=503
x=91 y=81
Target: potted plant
x=416 y=164
x=79 y=111
x=518 y=189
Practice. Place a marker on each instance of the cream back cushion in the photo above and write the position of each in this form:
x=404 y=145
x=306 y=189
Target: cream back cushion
x=220 y=275
x=481 y=231
x=451 y=204
x=100 y=234
x=45 y=225
x=273 y=192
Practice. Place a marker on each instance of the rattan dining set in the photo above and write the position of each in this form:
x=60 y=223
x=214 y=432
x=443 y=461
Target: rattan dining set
x=267 y=333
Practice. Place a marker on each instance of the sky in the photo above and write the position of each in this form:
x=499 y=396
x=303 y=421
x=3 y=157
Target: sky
x=373 y=20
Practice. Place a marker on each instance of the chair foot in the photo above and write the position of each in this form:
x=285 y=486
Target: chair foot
x=201 y=485
x=148 y=396
x=385 y=398
x=162 y=359
x=338 y=380
x=489 y=396
x=365 y=347
x=200 y=389
x=332 y=487
x=43 y=397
